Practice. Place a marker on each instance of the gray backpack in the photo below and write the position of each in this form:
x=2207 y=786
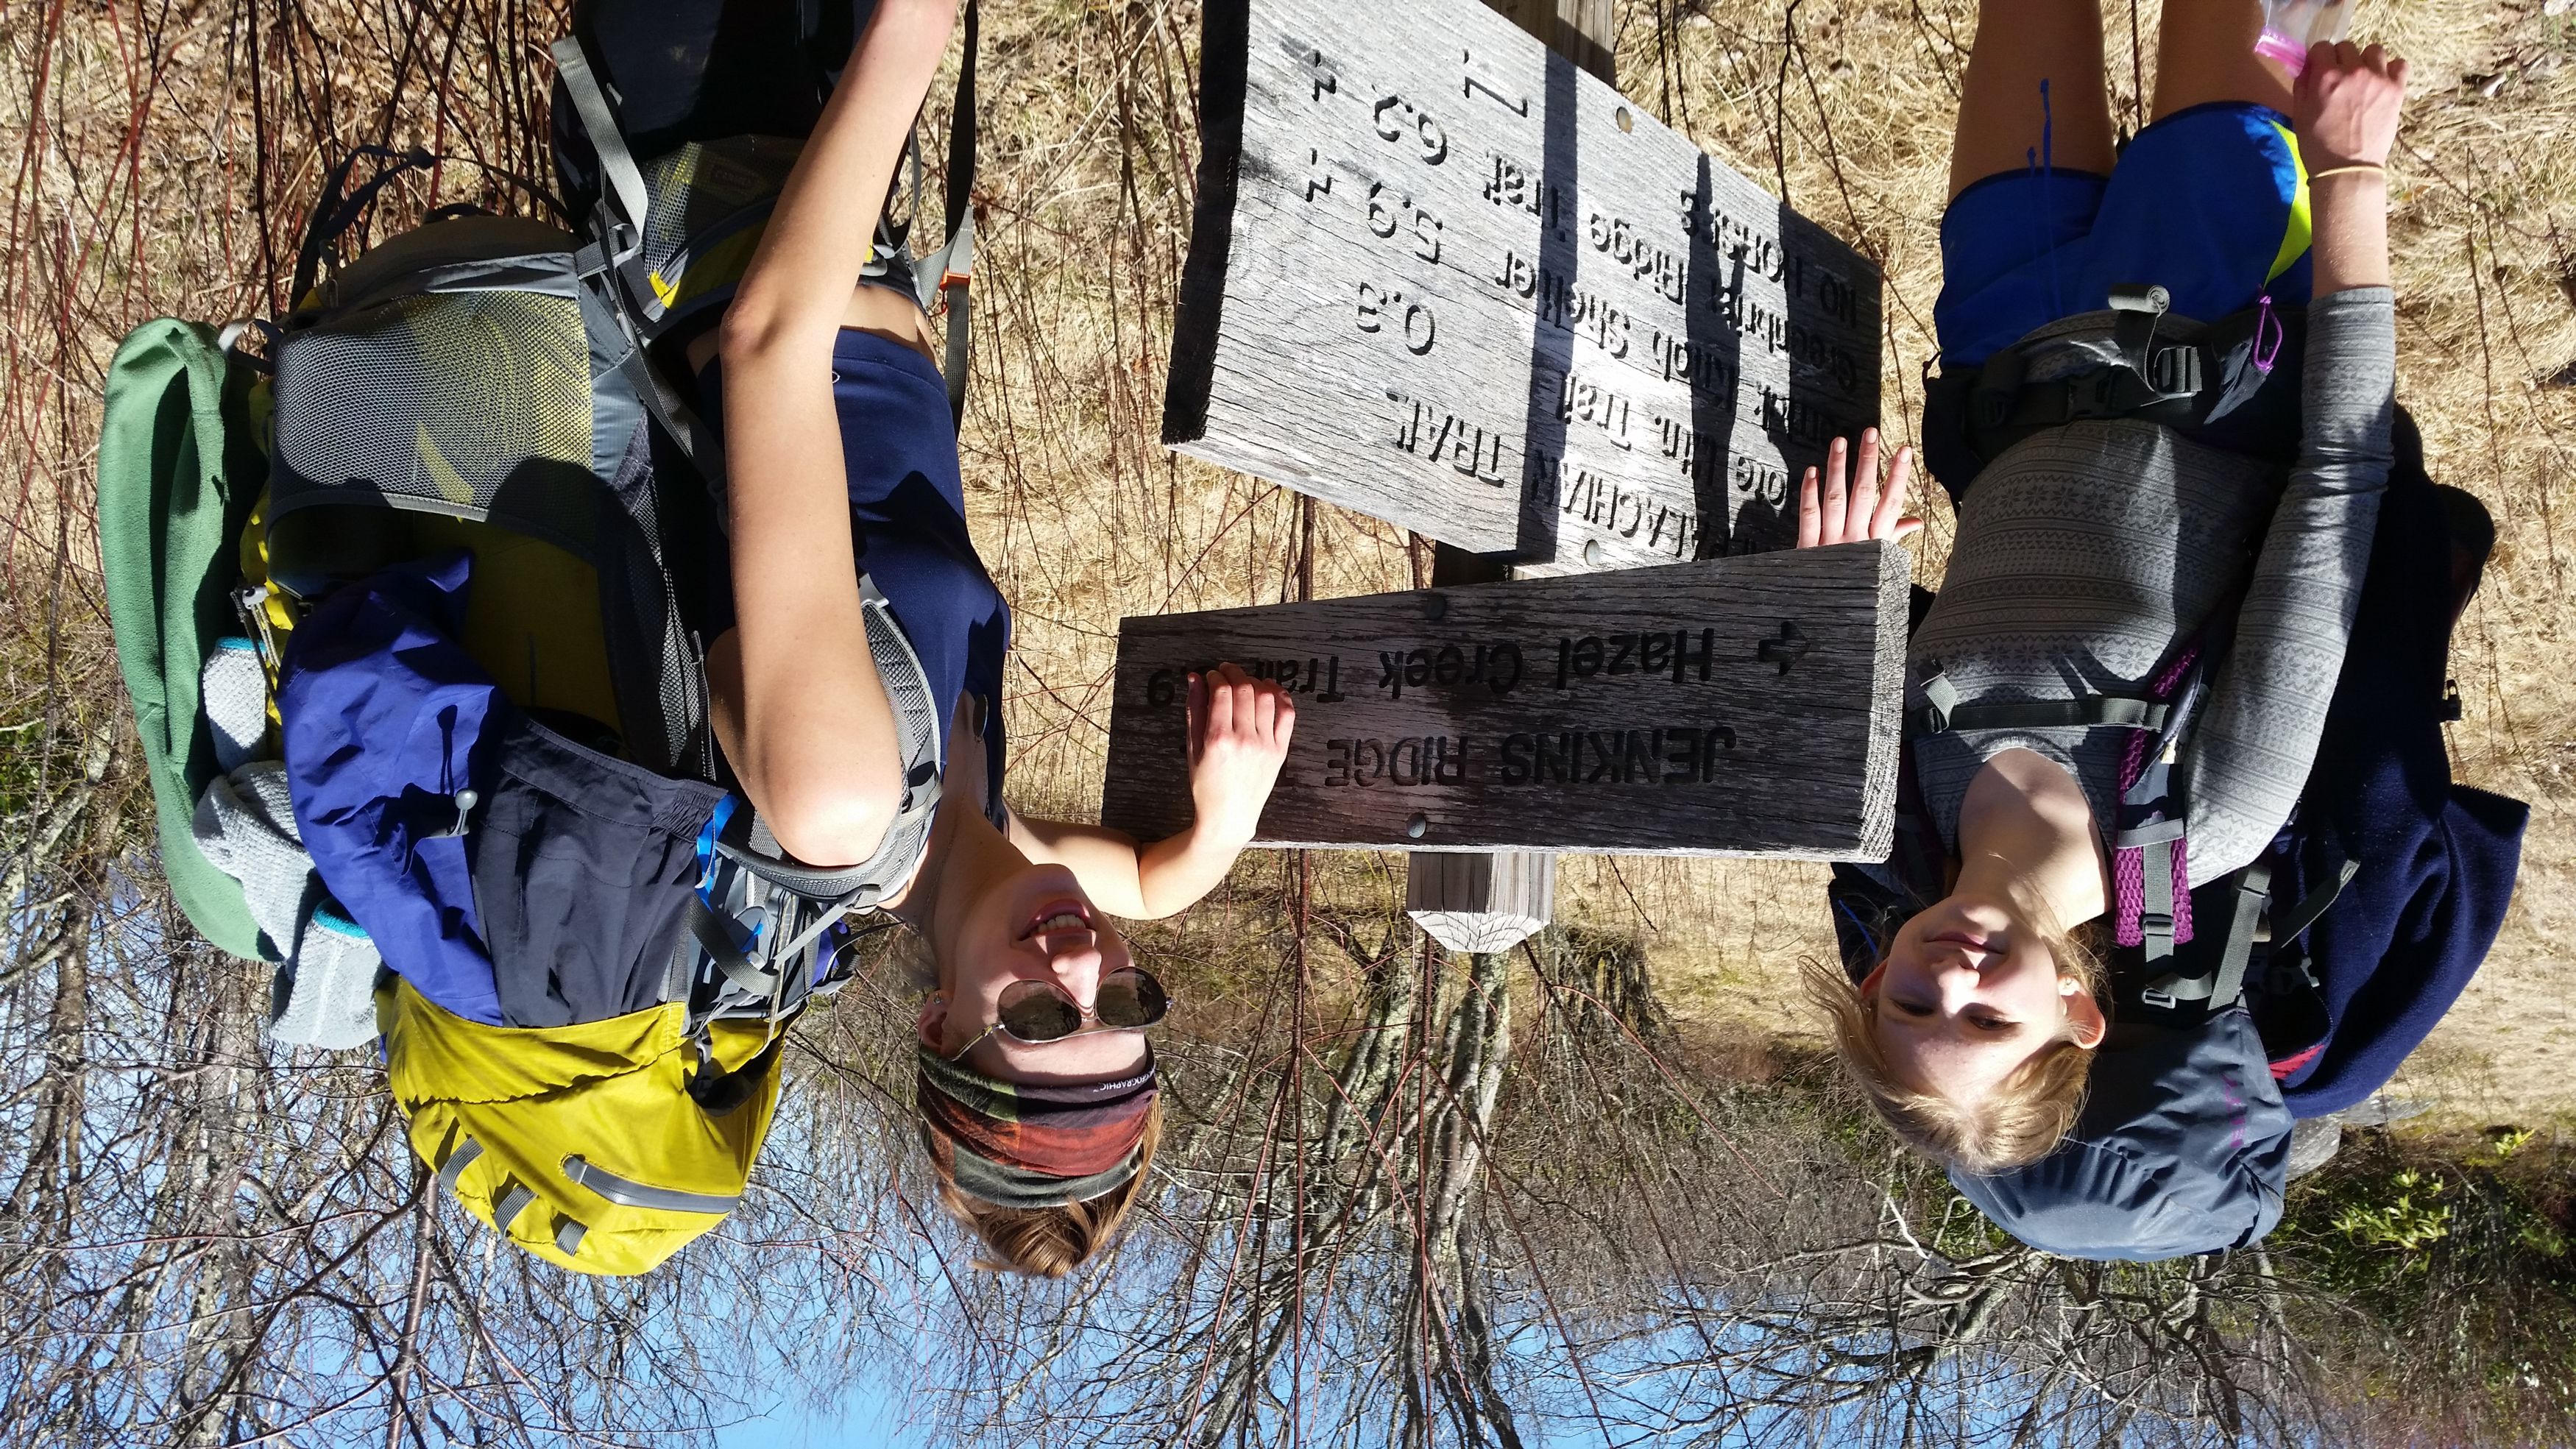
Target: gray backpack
x=475 y=383
x=471 y=369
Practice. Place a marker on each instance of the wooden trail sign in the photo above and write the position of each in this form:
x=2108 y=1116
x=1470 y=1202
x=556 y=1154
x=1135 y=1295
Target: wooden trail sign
x=1443 y=277
x=1740 y=706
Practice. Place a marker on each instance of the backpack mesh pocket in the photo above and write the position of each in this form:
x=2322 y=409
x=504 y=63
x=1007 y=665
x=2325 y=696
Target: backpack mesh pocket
x=445 y=402
x=711 y=201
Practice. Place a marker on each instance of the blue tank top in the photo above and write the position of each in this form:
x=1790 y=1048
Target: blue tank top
x=908 y=521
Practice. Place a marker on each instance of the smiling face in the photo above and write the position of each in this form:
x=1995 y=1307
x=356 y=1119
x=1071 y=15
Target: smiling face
x=1969 y=991
x=1034 y=924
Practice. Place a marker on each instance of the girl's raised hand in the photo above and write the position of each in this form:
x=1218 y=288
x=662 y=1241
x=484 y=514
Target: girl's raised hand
x=1833 y=513
x=1239 y=728
x=2346 y=106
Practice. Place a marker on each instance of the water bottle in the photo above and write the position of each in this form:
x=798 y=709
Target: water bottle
x=2291 y=26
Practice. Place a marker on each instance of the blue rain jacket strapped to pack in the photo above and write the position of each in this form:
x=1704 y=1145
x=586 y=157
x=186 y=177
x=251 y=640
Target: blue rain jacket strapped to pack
x=577 y=868
x=385 y=719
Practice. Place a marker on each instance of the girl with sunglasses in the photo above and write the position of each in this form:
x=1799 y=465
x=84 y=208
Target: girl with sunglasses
x=844 y=499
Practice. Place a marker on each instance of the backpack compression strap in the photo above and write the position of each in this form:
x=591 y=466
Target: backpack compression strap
x=2287 y=926
x=626 y=190
x=627 y=1192
x=948 y=271
x=1943 y=711
x=2222 y=987
x=334 y=214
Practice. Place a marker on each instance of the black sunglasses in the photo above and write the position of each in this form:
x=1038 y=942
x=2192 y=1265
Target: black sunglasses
x=1036 y=1012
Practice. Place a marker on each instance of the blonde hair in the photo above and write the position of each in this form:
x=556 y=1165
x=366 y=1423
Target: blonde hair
x=1051 y=1242
x=2021 y=1121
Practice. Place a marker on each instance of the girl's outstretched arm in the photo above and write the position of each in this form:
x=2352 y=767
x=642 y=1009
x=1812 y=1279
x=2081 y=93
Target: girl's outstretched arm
x=800 y=711
x=2257 y=738
x=1238 y=737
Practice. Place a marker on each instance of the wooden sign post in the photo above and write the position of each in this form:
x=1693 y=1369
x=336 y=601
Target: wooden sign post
x=1743 y=706
x=1492 y=900
x=1445 y=278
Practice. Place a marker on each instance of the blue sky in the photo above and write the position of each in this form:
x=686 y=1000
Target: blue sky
x=865 y=1418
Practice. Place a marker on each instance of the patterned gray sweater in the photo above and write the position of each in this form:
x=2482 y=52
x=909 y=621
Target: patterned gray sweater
x=2088 y=553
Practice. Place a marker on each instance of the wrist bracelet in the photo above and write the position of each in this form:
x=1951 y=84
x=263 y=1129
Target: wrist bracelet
x=2314 y=176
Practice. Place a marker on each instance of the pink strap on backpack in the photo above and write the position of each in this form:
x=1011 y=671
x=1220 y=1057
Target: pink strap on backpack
x=2129 y=863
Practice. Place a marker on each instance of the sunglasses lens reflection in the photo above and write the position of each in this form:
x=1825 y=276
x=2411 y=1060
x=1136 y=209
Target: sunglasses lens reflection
x=1035 y=1011
x=1131 y=998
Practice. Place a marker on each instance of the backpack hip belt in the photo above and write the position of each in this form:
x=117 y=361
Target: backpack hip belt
x=2232 y=384
x=673 y=234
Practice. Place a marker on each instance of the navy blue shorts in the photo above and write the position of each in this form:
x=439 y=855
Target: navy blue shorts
x=2210 y=203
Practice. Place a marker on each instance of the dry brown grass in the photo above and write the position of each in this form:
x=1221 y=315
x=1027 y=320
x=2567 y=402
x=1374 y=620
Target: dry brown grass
x=165 y=155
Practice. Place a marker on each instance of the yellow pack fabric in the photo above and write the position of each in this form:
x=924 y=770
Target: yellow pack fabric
x=532 y=617
x=580 y=1144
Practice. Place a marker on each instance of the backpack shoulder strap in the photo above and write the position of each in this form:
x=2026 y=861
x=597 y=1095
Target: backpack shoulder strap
x=799 y=902
x=2218 y=989
x=947 y=272
x=625 y=211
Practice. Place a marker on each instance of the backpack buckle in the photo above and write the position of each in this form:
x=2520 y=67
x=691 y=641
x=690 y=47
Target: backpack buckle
x=2141 y=310
x=1996 y=390
x=2175 y=371
x=1940 y=697
x=2095 y=395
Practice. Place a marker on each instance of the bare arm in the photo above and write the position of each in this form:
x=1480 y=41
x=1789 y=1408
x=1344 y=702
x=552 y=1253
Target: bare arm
x=1238 y=730
x=2351 y=238
x=799 y=708
x=2347 y=103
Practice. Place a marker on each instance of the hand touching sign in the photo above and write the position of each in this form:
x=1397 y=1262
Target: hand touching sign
x=1238 y=733
x=1834 y=514
x=1238 y=739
